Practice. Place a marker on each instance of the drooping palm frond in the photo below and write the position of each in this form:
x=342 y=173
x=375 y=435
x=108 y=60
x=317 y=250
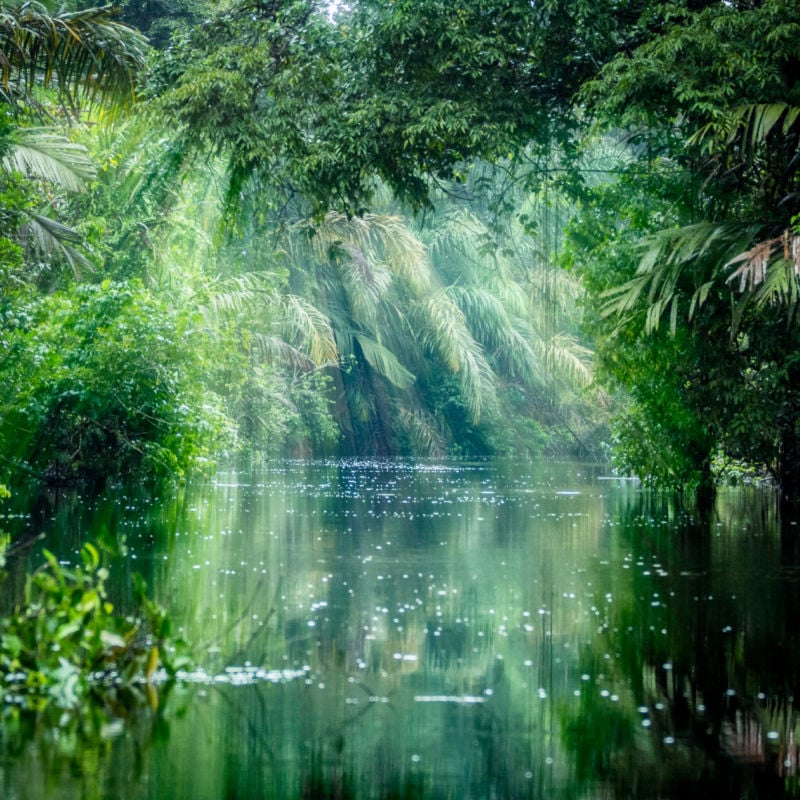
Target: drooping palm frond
x=46 y=238
x=43 y=154
x=86 y=55
x=383 y=360
x=276 y=350
x=446 y=333
x=663 y=283
x=565 y=355
x=754 y=262
x=252 y=292
x=748 y=124
x=366 y=283
x=780 y=286
x=555 y=288
x=424 y=432
x=378 y=239
x=506 y=337
x=311 y=326
x=254 y=300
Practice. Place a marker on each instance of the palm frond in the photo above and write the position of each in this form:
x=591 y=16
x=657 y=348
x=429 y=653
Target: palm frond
x=276 y=350
x=447 y=334
x=366 y=283
x=252 y=292
x=87 y=55
x=47 y=238
x=312 y=328
x=661 y=284
x=749 y=124
x=565 y=355
x=754 y=262
x=378 y=239
x=507 y=337
x=383 y=360
x=424 y=432
x=40 y=153
x=781 y=286
x=255 y=302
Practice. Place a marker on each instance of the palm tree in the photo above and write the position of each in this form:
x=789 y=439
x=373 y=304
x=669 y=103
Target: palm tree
x=89 y=61
x=86 y=56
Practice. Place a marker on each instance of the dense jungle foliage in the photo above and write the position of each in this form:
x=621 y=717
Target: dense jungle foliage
x=408 y=227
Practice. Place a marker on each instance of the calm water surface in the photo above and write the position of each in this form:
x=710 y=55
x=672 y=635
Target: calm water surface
x=439 y=630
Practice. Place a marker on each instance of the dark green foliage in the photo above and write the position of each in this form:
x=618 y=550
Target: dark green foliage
x=707 y=355
x=159 y=20
x=399 y=91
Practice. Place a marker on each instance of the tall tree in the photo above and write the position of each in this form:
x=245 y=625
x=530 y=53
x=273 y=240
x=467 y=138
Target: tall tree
x=404 y=92
x=711 y=97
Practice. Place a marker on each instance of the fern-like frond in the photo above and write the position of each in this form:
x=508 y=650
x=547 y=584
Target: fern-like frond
x=252 y=293
x=366 y=283
x=43 y=154
x=255 y=302
x=780 y=286
x=754 y=263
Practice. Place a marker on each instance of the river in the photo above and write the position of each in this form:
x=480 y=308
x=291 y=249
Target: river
x=397 y=629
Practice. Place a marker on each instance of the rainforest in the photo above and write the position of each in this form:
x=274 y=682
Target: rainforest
x=268 y=267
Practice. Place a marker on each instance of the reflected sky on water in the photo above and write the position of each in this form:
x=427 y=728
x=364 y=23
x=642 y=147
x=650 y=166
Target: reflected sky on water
x=417 y=629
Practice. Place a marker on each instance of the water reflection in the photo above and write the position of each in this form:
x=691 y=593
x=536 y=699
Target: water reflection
x=412 y=630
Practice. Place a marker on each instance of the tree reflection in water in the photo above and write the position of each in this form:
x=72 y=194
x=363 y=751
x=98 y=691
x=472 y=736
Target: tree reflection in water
x=473 y=631
x=695 y=662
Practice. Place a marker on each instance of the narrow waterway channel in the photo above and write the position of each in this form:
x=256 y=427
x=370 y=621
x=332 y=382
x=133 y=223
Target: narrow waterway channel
x=370 y=629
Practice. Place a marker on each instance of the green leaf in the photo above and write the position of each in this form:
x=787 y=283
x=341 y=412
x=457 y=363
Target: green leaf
x=90 y=556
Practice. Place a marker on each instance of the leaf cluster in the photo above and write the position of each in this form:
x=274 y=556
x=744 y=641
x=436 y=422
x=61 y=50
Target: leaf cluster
x=63 y=643
x=87 y=56
x=104 y=382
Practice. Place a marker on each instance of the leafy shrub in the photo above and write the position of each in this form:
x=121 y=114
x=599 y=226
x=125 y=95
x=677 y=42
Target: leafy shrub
x=104 y=382
x=63 y=643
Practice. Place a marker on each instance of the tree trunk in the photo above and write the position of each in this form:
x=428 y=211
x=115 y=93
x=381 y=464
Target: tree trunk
x=706 y=492
x=789 y=468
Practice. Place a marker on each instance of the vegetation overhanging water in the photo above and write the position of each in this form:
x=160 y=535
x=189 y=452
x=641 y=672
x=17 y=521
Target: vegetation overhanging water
x=436 y=629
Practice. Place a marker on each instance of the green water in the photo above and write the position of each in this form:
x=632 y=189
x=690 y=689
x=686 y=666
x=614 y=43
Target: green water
x=438 y=630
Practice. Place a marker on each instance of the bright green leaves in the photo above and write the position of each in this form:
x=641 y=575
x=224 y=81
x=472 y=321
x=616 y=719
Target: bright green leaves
x=64 y=644
x=105 y=381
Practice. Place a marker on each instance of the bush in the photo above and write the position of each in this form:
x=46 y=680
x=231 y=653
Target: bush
x=105 y=382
